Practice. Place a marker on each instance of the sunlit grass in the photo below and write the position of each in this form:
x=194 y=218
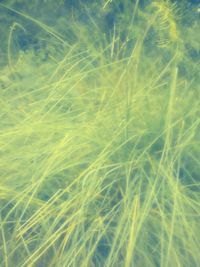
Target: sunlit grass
x=99 y=156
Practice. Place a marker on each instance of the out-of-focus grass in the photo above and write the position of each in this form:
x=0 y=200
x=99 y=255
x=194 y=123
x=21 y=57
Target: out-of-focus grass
x=100 y=156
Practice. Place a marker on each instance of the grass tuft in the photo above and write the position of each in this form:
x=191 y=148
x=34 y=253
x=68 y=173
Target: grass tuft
x=100 y=146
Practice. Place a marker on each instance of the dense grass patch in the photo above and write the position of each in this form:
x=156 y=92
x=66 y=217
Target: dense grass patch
x=99 y=136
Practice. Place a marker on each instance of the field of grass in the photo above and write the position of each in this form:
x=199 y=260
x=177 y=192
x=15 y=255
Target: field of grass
x=100 y=142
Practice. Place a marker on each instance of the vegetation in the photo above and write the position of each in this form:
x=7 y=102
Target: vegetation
x=99 y=134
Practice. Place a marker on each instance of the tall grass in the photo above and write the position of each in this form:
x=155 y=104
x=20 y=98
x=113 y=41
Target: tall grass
x=100 y=149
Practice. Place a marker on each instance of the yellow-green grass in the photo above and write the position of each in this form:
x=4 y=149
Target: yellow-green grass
x=99 y=157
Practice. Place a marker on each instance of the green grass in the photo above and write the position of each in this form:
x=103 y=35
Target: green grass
x=100 y=150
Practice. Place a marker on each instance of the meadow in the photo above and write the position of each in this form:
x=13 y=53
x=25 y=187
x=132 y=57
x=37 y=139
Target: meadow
x=99 y=134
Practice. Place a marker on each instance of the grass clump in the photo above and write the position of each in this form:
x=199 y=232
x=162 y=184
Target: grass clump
x=100 y=144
